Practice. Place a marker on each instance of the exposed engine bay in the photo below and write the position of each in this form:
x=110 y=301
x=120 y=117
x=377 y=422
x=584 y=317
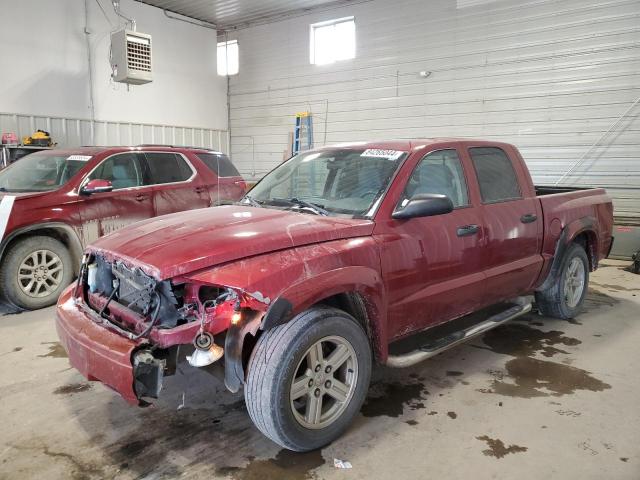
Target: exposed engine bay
x=162 y=315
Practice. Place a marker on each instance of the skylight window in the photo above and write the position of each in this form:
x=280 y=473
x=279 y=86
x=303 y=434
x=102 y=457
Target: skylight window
x=333 y=41
x=228 y=63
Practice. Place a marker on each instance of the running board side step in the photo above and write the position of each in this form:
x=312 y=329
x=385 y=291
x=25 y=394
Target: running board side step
x=440 y=345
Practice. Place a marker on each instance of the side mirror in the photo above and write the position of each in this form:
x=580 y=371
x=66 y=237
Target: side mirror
x=424 y=205
x=96 y=185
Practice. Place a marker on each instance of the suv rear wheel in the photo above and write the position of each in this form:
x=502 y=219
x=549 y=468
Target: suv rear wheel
x=308 y=378
x=566 y=297
x=34 y=272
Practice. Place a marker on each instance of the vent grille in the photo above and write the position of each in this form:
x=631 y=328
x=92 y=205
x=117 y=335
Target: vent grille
x=138 y=55
x=131 y=57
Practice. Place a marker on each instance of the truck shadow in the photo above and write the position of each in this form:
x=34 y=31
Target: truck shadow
x=200 y=428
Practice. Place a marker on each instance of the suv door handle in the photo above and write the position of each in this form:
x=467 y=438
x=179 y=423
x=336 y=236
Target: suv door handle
x=200 y=189
x=466 y=230
x=140 y=197
x=528 y=218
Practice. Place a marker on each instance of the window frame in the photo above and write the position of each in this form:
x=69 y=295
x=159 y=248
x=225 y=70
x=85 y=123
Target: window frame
x=475 y=171
x=222 y=155
x=226 y=44
x=469 y=203
x=194 y=172
x=143 y=159
x=105 y=160
x=326 y=23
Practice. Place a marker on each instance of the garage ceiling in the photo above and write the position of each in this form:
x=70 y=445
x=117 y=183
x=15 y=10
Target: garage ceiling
x=229 y=14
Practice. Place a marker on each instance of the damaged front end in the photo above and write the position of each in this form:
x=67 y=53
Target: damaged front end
x=160 y=316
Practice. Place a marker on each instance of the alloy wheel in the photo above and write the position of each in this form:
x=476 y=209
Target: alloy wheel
x=40 y=273
x=324 y=382
x=574 y=282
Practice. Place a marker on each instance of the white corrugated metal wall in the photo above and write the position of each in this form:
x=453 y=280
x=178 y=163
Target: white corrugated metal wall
x=549 y=76
x=74 y=132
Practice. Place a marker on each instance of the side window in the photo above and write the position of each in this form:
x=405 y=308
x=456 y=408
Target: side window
x=123 y=171
x=167 y=168
x=220 y=164
x=496 y=176
x=438 y=172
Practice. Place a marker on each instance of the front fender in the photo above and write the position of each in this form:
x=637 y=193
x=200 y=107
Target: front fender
x=290 y=281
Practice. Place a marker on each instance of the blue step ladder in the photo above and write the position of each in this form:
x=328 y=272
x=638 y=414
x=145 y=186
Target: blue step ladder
x=303 y=133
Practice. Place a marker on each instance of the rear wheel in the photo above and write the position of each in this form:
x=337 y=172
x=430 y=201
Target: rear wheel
x=566 y=297
x=34 y=272
x=307 y=379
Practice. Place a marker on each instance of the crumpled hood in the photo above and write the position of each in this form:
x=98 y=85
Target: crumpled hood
x=184 y=242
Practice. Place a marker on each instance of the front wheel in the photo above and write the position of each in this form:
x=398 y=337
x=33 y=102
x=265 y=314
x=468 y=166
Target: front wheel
x=307 y=379
x=34 y=272
x=566 y=297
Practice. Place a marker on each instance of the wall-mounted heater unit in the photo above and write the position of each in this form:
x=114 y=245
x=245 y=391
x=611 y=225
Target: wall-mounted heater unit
x=131 y=57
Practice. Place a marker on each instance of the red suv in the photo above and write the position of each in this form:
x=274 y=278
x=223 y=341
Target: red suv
x=55 y=202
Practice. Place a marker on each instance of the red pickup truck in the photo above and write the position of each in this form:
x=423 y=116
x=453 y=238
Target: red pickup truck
x=55 y=202
x=340 y=257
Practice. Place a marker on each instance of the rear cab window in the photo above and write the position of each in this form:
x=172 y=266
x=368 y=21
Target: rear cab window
x=496 y=176
x=219 y=164
x=167 y=168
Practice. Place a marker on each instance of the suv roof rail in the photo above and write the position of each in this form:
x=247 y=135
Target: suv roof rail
x=178 y=146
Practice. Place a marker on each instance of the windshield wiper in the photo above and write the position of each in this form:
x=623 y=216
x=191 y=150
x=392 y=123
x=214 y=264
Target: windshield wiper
x=317 y=209
x=251 y=201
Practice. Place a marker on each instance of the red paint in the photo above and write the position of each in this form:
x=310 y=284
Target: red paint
x=411 y=274
x=87 y=217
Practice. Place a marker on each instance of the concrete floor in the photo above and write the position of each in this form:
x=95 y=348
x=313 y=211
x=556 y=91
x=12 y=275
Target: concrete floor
x=538 y=398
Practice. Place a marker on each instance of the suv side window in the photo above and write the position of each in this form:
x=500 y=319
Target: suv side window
x=438 y=172
x=220 y=164
x=496 y=176
x=167 y=168
x=123 y=171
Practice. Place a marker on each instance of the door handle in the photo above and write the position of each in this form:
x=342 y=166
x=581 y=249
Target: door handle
x=140 y=197
x=528 y=218
x=467 y=230
x=200 y=189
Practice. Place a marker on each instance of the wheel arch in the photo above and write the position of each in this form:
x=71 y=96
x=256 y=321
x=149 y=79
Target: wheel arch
x=358 y=291
x=581 y=231
x=59 y=231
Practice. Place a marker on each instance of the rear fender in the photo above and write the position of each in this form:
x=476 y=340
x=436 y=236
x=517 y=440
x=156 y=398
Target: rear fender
x=567 y=236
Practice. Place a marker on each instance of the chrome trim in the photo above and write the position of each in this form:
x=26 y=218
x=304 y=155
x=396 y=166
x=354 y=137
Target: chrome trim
x=421 y=354
x=85 y=180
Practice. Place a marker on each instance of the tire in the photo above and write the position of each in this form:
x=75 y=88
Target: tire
x=32 y=288
x=557 y=301
x=284 y=353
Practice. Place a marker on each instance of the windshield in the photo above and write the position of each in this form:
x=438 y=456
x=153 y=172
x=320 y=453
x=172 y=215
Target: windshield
x=336 y=181
x=41 y=172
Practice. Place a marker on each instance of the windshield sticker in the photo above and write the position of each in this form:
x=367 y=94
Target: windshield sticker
x=388 y=154
x=80 y=158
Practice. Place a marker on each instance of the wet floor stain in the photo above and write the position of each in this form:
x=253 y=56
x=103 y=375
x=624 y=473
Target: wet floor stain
x=595 y=300
x=55 y=350
x=77 y=469
x=624 y=459
x=286 y=465
x=150 y=447
x=411 y=422
x=452 y=415
x=613 y=288
x=72 y=388
x=540 y=378
x=16 y=349
x=498 y=449
x=517 y=339
x=390 y=399
x=454 y=373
